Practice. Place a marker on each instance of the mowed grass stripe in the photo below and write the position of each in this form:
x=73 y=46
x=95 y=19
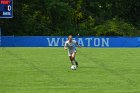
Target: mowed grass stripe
x=41 y=70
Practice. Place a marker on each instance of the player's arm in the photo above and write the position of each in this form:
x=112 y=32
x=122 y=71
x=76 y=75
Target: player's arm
x=78 y=45
x=65 y=46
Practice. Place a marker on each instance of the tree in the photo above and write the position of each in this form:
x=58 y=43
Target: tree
x=64 y=17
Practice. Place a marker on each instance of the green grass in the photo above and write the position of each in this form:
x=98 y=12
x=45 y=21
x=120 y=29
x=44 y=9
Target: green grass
x=47 y=70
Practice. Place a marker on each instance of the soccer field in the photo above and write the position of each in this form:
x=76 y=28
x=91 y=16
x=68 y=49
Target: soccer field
x=47 y=70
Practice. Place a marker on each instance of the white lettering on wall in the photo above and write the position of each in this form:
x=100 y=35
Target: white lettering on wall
x=105 y=42
x=88 y=41
x=53 y=41
x=96 y=42
x=63 y=41
x=101 y=42
x=80 y=42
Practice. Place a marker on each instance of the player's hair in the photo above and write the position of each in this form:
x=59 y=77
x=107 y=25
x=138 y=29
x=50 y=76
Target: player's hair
x=69 y=36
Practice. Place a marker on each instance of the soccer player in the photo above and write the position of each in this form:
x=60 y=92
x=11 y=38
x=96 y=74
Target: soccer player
x=71 y=44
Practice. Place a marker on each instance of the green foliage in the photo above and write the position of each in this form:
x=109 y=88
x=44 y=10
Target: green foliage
x=64 y=17
x=115 y=27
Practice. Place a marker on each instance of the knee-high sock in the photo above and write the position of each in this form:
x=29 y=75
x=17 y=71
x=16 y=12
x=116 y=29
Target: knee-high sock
x=72 y=62
x=75 y=60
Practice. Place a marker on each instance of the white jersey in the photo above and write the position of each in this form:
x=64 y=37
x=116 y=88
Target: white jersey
x=71 y=47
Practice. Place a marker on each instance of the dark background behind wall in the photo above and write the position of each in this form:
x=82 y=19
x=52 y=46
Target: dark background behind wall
x=64 y=17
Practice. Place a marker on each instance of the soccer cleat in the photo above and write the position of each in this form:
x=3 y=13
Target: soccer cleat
x=76 y=64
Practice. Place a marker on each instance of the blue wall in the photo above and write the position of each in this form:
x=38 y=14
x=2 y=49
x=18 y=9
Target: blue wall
x=58 y=41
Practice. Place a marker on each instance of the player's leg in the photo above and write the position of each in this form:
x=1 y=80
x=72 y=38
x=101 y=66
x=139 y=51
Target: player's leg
x=70 y=56
x=73 y=55
x=74 y=58
x=76 y=62
x=72 y=62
